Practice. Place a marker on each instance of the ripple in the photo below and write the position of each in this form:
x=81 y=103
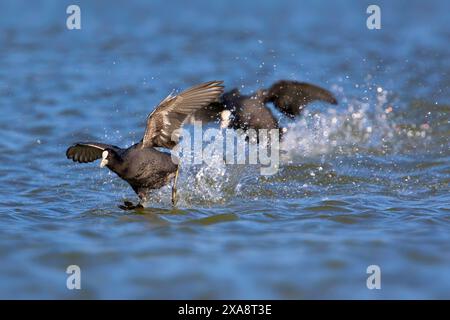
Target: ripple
x=365 y=182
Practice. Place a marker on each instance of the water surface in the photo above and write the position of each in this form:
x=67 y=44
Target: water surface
x=365 y=182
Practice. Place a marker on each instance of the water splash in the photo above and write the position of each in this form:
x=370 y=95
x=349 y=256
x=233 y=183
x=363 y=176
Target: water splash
x=359 y=126
x=356 y=127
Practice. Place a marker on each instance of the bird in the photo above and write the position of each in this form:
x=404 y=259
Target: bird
x=238 y=111
x=142 y=165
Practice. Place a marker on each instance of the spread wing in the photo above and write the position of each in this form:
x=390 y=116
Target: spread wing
x=88 y=151
x=291 y=97
x=163 y=123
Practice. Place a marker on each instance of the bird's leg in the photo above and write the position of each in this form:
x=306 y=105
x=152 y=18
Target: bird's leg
x=174 y=186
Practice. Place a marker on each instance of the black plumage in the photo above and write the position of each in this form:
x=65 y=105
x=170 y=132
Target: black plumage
x=141 y=165
x=251 y=111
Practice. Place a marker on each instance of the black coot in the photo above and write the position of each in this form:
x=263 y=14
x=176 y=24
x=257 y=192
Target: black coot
x=141 y=165
x=239 y=111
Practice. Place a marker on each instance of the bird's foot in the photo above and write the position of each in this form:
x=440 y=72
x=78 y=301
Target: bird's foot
x=127 y=205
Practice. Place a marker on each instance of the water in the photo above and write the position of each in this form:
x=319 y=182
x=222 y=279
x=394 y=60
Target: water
x=363 y=183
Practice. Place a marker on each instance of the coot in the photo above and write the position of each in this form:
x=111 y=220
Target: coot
x=141 y=165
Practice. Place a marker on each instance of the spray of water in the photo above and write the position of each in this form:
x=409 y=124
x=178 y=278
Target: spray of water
x=356 y=126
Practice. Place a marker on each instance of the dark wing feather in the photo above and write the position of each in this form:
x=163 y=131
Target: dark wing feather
x=210 y=113
x=230 y=100
x=88 y=151
x=291 y=97
x=163 y=123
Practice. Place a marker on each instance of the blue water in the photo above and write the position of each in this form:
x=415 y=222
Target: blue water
x=362 y=183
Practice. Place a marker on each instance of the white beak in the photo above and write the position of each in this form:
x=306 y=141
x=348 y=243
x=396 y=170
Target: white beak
x=225 y=119
x=104 y=160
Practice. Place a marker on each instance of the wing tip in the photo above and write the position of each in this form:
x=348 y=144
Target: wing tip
x=214 y=84
x=69 y=153
x=286 y=87
x=333 y=100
